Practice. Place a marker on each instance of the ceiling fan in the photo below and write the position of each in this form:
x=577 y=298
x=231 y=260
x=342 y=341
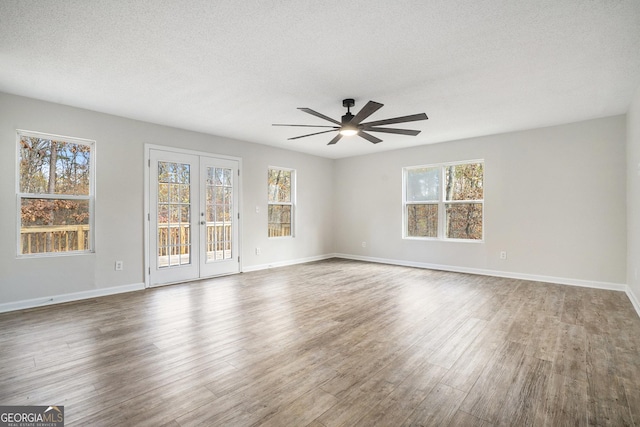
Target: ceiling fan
x=352 y=125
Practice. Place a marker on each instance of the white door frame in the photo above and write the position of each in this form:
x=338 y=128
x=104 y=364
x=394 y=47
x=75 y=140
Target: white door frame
x=147 y=189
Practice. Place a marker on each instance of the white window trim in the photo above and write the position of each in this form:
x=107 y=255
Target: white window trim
x=292 y=203
x=91 y=197
x=441 y=203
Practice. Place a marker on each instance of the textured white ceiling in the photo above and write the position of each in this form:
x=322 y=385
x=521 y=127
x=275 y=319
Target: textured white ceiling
x=232 y=68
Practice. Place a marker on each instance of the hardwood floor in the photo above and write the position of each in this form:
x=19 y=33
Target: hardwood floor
x=331 y=343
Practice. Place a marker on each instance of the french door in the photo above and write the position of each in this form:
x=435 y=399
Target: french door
x=193 y=217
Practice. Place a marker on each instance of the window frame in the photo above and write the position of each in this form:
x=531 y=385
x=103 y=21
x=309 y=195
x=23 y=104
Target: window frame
x=441 y=202
x=291 y=203
x=90 y=198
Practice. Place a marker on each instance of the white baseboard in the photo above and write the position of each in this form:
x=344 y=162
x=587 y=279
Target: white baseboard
x=246 y=269
x=75 y=296
x=510 y=275
x=633 y=299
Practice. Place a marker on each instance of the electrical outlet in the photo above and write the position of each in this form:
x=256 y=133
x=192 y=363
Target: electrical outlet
x=364 y=244
x=503 y=255
x=119 y=266
x=258 y=251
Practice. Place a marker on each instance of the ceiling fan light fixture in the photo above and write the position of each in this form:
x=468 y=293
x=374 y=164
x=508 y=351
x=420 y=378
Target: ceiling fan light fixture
x=348 y=131
x=348 y=128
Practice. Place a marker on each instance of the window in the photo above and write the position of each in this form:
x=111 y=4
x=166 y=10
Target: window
x=444 y=201
x=55 y=193
x=281 y=189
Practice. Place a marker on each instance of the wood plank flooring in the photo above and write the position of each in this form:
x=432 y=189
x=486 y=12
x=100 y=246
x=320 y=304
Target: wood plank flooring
x=331 y=343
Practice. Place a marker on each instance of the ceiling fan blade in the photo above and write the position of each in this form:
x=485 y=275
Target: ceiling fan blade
x=366 y=111
x=322 y=116
x=335 y=139
x=403 y=119
x=369 y=137
x=306 y=126
x=392 y=130
x=311 y=134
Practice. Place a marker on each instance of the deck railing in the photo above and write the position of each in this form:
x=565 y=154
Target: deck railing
x=174 y=242
x=68 y=238
x=279 y=230
x=54 y=238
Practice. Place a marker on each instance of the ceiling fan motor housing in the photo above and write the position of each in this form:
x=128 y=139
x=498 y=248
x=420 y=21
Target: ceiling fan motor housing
x=346 y=118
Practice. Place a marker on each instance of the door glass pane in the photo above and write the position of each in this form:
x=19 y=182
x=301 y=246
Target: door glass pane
x=174 y=207
x=218 y=234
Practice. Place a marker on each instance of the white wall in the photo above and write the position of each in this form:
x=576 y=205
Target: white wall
x=119 y=200
x=555 y=200
x=633 y=198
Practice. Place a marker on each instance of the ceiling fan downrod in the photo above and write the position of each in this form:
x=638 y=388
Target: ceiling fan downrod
x=348 y=103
